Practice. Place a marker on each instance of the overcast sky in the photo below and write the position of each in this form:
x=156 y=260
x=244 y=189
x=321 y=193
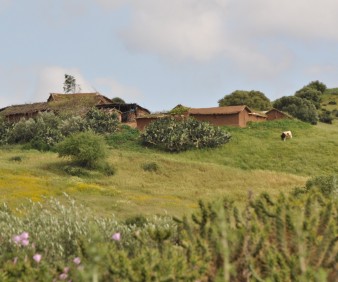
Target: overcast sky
x=160 y=53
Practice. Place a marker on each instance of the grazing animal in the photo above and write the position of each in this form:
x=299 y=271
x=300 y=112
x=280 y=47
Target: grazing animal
x=285 y=135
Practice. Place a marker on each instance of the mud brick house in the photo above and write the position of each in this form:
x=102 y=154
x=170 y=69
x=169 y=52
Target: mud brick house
x=276 y=114
x=229 y=116
x=72 y=104
x=26 y=111
x=129 y=112
x=257 y=117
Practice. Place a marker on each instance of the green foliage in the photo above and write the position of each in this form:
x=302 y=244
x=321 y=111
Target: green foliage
x=151 y=166
x=72 y=124
x=85 y=148
x=5 y=127
x=327 y=185
x=69 y=85
x=42 y=131
x=16 y=159
x=125 y=136
x=310 y=94
x=101 y=122
x=317 y=85
x=299 y=108
x=179 y=110
x=118 y=100
x=270 y=239
x=175 y=136
x=326 y=116
x=137 y=220
x=253 y=99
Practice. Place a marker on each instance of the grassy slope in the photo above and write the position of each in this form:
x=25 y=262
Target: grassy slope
x=256 y=159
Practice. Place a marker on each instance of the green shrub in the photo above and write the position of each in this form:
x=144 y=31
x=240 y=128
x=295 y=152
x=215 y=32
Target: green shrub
x=86 y=149
x=23 y=131
x=175 y=136
x=106 y=168
x=137 y=220
x=42 y=132
x=101 y=122
x=326 y=117
x=302 y=109
x=327 y=185
x=279 y=239
x=5 y=127
x=75 y=171
x=16 y=159
x=73 y=124
x=124 y=136
x=152 y=166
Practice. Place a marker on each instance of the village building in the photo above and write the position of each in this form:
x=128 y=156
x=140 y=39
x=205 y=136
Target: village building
x=220 y=116
x=129 y=112
x=276 y=114
x=74 y=104
x=17 y=112
x=257 y=117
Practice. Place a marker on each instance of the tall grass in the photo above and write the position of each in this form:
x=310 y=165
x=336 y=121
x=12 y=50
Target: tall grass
x=256 y=159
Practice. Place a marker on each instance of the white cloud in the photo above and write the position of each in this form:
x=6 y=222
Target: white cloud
x=228 y=29
x=304 y=19
x=178 y=29
x=112 y=88
x=51 y=79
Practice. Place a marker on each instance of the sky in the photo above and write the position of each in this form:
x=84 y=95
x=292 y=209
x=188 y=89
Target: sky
x=160 y=53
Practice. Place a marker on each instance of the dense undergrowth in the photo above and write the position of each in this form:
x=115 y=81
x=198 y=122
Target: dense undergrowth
x=290 y=238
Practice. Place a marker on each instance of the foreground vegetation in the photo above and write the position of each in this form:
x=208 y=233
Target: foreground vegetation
x=290 y=238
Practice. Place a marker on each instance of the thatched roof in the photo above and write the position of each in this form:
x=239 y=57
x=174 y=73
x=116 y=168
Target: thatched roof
x=228 y=110
x=25 y=109
x=96 y=97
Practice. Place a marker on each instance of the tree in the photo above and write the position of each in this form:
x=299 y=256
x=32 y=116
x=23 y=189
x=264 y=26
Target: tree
x=70 y=86
x=85 y=148
x=118 y=100
x=253 y=99
x=310 y=94
x=302 y=109
x=317 y=85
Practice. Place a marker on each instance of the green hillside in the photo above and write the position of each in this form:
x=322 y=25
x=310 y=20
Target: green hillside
x=330 y=101
x=255 y=160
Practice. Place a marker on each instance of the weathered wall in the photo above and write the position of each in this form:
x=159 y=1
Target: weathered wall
x=144 y=122
x=273 y=114
x=219 y=120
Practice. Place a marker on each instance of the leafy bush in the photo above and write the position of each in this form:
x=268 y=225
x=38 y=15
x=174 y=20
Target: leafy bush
x=282 y=239
x=326 y=117
x=175 y=136
x=101 y=122
x=327 y=185
x=85 y=148
x=302 y=109
x=137 y=220
x=152 y=166
x=124 y=136
x=42 y=132
x=73 y=124
x=5 y=127
x=253 y=99
x=16 y=159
